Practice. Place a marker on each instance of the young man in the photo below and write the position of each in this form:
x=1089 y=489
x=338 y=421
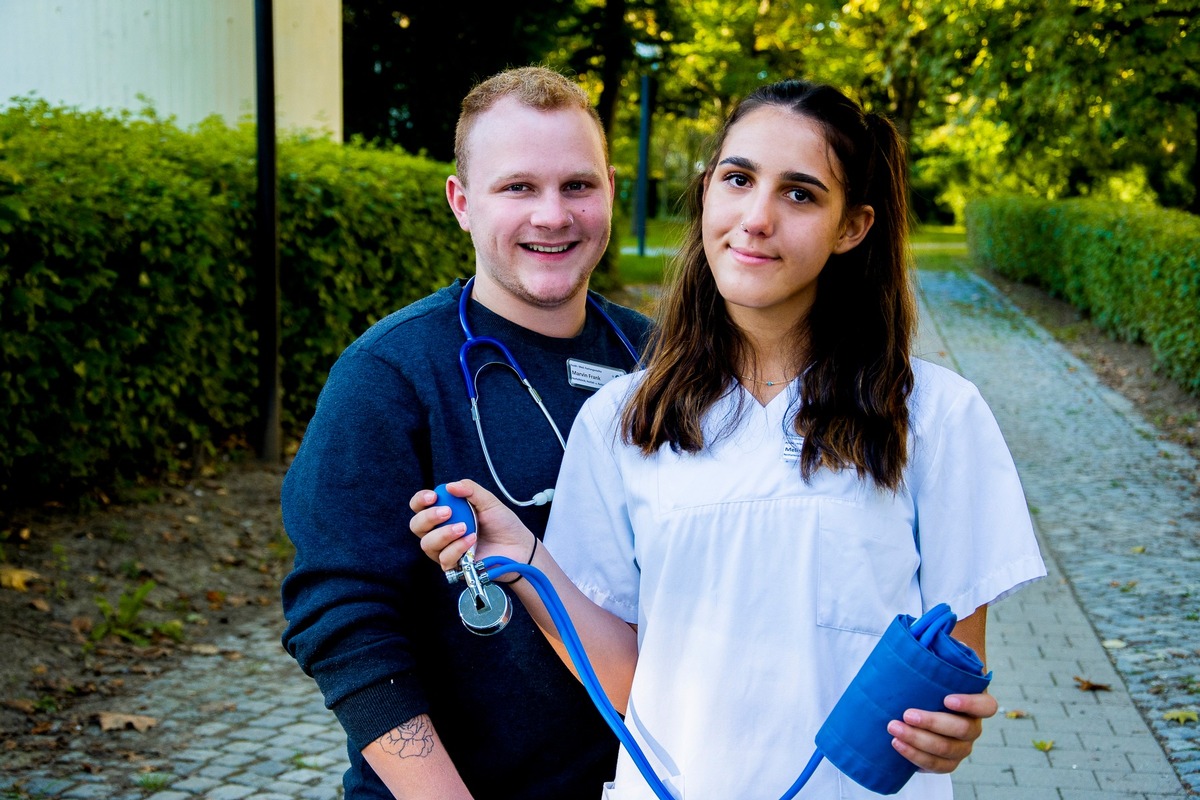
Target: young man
x=430 y=709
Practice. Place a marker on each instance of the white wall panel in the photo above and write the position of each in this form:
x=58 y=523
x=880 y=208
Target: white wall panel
x=190 y=58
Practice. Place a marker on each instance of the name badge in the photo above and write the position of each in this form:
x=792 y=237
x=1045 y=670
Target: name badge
x=585 y=375
x=792 y=444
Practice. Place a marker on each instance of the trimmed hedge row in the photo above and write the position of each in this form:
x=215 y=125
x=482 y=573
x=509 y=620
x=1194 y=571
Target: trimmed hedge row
x=1135 y=270
x=126 y=283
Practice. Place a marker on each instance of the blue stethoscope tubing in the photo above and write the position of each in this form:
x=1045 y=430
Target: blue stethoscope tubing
x=496 y=566
x=469 y=380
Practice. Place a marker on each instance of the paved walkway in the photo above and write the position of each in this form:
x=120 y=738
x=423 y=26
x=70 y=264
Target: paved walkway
x=1119 y=518
x=1117 y=511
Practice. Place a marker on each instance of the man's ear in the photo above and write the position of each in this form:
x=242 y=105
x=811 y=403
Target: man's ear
x=456 y=195
x=854 y=228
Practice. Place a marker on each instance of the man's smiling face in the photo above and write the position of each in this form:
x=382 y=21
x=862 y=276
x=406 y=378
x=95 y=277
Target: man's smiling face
x=537 y=201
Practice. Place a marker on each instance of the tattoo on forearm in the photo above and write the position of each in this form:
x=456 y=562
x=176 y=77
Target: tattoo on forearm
x=413 y=739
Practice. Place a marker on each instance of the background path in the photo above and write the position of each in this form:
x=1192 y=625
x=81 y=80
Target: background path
x=1117 y=513
x=1118 y=516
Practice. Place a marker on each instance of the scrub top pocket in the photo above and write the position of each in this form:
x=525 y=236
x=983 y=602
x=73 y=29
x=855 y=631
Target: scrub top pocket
x=866 y=568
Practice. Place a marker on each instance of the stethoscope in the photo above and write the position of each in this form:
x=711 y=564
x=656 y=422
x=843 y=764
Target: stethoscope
x=470 y=380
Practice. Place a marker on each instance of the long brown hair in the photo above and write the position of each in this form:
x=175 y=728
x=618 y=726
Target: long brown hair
x=855 y=340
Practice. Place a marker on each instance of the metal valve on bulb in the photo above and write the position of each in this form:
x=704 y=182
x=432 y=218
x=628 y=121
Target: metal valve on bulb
x=483 y=606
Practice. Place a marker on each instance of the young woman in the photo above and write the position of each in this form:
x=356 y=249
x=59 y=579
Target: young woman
x=742 y=520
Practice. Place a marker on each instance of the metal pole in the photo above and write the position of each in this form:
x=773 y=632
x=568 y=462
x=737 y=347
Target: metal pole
x=643 y=183
x=266 y=239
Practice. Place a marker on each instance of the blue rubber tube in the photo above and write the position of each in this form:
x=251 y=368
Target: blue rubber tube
x=498 y=565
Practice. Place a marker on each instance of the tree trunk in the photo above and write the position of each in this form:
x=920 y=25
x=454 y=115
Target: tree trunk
x=1195 y=174
x=616 y=46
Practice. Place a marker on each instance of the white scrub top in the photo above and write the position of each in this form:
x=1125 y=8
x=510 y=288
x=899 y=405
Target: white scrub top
x=757 y=596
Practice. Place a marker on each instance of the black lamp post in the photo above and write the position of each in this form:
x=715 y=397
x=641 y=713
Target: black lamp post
x=266 y=240
x=648 y=55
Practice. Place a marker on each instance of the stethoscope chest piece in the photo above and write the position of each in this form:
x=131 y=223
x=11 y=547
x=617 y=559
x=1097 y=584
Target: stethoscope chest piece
x=492 y=617
x=483 y=606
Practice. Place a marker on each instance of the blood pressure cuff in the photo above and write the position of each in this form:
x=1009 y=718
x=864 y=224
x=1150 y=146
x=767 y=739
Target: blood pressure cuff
x=915 y=665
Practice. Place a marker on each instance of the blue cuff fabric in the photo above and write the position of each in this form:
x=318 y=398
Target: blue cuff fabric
x=915 y=665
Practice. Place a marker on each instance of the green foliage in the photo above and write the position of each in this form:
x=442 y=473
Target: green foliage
x=1086 y=91
x=125 y=622
x=1134 y=269
x=154 y=781
x=127 y=282
x=363 y=231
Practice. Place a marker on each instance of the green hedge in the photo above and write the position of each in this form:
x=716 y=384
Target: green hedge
x=126 y=283
x=1135 y=270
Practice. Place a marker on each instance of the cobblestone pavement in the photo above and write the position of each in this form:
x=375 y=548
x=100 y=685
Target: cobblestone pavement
x=1118 y=515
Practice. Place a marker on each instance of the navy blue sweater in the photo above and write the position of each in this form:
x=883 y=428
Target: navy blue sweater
x=370 y=617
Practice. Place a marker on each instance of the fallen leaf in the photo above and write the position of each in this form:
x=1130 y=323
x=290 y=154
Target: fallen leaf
x=1087 y=686
x=17 y=578
x=192 y=518
x=1182 y=716
x=1044 y=745
x=1138 y=550
x=1016 y=713
x=39 y=604
x=110 y=721
x=210 y=708
x=24 y=706
x=204 y=649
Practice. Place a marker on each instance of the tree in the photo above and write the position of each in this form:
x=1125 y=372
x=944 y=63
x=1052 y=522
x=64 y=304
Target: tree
x=407 y=65
x=1101 y=88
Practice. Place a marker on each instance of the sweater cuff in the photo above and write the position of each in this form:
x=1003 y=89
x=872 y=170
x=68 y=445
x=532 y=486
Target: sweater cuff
x=371 y=712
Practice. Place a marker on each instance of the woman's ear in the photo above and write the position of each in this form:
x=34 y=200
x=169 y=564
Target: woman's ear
x=854 y=228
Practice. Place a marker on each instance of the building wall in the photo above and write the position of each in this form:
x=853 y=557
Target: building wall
x=188 y=58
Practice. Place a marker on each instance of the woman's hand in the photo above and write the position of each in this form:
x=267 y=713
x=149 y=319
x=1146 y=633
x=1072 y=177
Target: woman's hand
x=500 y=531
x=938 y=741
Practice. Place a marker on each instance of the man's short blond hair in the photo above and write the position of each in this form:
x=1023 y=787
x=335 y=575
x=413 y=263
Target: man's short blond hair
x=535 y=87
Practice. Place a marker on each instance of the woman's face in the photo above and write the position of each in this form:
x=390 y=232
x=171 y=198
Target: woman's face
x=774 y=211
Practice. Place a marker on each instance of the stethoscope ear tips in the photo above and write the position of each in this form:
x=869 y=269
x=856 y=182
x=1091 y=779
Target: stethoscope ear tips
x=542 y=498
